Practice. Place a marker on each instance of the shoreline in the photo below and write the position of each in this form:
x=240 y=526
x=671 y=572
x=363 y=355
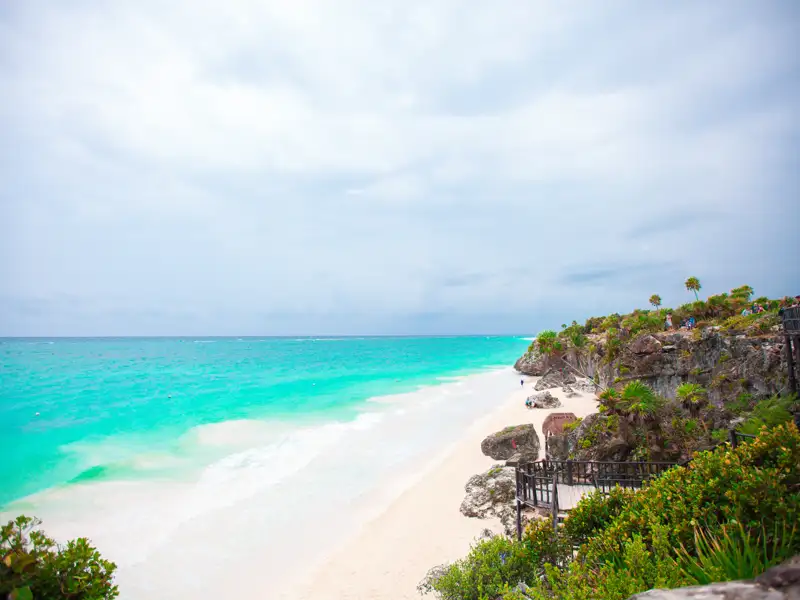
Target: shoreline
x=421 y=526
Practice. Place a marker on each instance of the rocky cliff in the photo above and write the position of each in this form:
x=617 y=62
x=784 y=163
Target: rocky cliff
x=725 y=362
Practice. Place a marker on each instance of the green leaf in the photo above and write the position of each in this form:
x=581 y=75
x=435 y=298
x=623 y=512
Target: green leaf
x=23 y=593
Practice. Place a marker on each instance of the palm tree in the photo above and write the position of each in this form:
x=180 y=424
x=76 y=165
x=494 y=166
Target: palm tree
x=693 y=285
x=742 y=293
x=640 y=402
x=692 y=396
x=655 y=300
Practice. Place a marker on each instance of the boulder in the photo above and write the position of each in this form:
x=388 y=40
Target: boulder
x=554 y=378
x=778 y=583
x=520 y=442
x=544 y=400
x=556 y=447
x=554 y=423
x=492 y=494
x=586 y=386
x=533 y=363
x=646 y=344
x=569 y=392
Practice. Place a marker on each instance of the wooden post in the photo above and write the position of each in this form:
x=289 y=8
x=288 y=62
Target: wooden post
x=519 y=520
x=555 y=502
x=732 y=436
x=796 y=366
x=790 y=364
x=569 y=472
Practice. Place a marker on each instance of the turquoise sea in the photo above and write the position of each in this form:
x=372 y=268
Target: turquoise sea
x=93 y=410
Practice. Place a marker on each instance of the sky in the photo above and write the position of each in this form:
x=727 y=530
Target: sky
x=276 y=167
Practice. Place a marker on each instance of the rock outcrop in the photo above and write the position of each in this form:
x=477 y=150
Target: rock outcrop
x=778 y=583
x=492 y=494
x=520 y=443
x=554 y=378
x=725 y=362
x=544 y=400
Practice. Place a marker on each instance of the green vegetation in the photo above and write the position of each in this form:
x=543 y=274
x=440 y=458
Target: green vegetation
x=572 y=425
x=549 y=343
x=693 y=285
x=655 y=300
x=692 y=396
x=737 y=553
x=729 y=513
x=33 y=566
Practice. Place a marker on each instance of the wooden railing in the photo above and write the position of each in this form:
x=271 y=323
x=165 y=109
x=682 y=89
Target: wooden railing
x=537 y=482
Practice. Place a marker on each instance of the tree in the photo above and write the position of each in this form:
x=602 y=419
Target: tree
x=33 y=566
x=742 y=293
x=640 y=402
x=692 y=396
x=549 y=343
x=655 y=300
x=693 y=285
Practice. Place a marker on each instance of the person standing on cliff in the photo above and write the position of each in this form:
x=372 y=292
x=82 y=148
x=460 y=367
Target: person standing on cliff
x=668 y=323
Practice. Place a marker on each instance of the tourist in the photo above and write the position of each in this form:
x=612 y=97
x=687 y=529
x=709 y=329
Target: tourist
x=529 y=403
x=745 y=312
x=521 y=382
x=668 y=323
x=690 y=323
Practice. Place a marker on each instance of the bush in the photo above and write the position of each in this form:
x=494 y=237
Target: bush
x=769 y=412
x=548 y=342
x=594 y=513
x=33 y=566
x=735 y=553
x=485 y=572
x=758 y=483
x=728 y=512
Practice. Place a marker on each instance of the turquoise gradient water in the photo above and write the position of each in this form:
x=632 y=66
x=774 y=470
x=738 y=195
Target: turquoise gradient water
x=74 y=410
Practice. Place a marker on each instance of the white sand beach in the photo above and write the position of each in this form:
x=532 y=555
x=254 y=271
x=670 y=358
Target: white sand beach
x=423 y=527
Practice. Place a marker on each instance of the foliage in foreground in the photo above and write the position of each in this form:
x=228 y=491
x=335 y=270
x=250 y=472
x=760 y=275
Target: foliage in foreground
x=728 y=513
x=33 y=566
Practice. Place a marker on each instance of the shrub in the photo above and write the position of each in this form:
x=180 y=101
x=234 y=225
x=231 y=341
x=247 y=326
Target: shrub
x=33 y=566
x=485 y=572
x=769 y=413
x=754 y=483
x=545 y=545
x=734 y=553
x=595 y=512
x=548 y=342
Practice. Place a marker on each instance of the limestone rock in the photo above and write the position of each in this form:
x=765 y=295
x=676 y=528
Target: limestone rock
x=725 y=362
x=521 y=442
x=570 y=393
x=533 y=363
x=554 y=378
x=730 y=590
x=587 y=386
x=778 y=583
x=646 y=344
x=544 y=400
x=492 y=494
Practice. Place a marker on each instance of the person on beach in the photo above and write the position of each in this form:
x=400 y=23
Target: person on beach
x=521 y=382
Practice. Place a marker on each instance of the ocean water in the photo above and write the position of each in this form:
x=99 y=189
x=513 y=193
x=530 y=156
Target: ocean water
x=149 y=446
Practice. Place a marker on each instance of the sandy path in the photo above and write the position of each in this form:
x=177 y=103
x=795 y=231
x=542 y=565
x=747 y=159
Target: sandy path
x=423 y=527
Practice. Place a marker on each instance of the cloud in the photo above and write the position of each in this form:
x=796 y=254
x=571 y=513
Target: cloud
x=264 y=165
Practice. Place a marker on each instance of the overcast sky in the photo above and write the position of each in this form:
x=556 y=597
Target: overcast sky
x=270 y=167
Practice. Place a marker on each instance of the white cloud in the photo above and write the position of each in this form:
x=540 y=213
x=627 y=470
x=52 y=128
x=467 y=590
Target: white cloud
x=353 y=157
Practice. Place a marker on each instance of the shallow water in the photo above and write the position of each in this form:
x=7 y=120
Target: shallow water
x=248 y=456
